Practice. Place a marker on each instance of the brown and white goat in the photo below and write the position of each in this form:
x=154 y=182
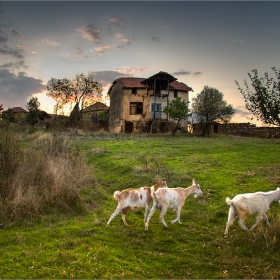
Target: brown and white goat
x=244 y=205
x=171 y=198
x=135 y=199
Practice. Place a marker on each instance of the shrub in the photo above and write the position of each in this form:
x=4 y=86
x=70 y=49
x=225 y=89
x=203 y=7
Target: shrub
x=50 y=175
x=10 y=155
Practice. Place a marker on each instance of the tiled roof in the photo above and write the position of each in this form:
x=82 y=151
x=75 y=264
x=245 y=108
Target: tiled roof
x=18 y=110
x=179 y=86
x=162 y=76
x=45 y=115
x=98 y=106
x=131 y=82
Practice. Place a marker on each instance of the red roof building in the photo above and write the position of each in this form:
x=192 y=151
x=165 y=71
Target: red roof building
x=134 y=102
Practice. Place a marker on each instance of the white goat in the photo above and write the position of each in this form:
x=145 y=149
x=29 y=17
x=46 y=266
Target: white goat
x=134 y=199
x=244 y=205
x=171 y=198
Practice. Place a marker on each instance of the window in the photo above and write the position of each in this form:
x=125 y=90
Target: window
x=156 y=110
x=136 y=108
x=134 y=90
x=175 y=94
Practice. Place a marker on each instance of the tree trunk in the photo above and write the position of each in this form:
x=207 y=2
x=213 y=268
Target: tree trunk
x=205 y=129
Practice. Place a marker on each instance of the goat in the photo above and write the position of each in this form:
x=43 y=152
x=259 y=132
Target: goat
x=171 y=198
x=244 y=205
x=134 y=199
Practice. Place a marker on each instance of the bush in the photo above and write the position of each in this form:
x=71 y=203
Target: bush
x=10 y=155
x=50 y=175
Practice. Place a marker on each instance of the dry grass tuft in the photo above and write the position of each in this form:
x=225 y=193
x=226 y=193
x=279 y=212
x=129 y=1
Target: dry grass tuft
x=50 y=174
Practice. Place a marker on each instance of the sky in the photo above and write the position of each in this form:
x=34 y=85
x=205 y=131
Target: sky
x=201 y=43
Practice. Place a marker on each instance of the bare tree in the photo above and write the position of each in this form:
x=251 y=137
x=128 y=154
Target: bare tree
x=82 y=91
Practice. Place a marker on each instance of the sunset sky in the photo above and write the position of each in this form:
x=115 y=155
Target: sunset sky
x=199 y=42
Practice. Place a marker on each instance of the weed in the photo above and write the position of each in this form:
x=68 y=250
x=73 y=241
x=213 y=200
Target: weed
x=50 y=174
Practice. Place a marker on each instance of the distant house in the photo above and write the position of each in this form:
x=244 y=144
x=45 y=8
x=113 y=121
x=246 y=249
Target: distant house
x=137 y=103
x=44 y=117
x=19 y=114
x=96 y=113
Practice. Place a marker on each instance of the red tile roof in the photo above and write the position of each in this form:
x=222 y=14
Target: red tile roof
x=18 y=110
x=179 y=86
x=132 y=82
x=98 y=106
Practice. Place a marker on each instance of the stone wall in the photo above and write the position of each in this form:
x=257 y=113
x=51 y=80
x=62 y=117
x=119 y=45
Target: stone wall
x=247 y=129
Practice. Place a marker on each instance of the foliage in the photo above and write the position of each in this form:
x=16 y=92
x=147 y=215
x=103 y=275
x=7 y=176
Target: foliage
x=34 y=112
x=8 y=116
x=10 y=155
x=48 y=174
x=177 y=109
x=83 y=90
x=210 y=107
x=263 y=99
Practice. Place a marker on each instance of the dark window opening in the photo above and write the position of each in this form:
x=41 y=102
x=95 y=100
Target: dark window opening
x=134 y=90
x=136 y=108
x=175 y=93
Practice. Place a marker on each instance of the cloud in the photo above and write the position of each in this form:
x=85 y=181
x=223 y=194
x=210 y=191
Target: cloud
x=163 y=26
x=15 y=65
x=127 y=40
x=101 y=50
x=117 y=22
x=131 y=70
x=156 y=39
x=242 y=111
x=78 y=52
x=114 y=23
x=107 y=77
x=16 y=89
x=89 y=32
x=51 y=43
x=5 y=50
x=181 y=73
x=3 y=37
x=124 y=39
x=20 y=47
x=14 y=32
x=184 y=73
x=236 y=42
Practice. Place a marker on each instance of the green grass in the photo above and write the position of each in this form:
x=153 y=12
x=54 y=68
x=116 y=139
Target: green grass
x=79 y=245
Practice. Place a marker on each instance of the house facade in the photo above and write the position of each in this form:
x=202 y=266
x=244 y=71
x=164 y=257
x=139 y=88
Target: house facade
x=96 y=115
x=137 y=104
x=18 y=113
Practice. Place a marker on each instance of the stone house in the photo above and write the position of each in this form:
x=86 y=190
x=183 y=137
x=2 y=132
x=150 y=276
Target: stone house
x=96 y=115
x=137 y=104
x=18 y=113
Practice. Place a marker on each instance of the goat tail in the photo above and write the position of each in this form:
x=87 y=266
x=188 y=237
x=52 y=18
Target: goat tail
x=228 y=201
x=116 y=195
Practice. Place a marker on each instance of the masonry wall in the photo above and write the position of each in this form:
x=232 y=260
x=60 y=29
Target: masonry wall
x=115 y=111
x=247 y=129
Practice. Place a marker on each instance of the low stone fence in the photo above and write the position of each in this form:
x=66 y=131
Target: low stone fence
x=247 y=129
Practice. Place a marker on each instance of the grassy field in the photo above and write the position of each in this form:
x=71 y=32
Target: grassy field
x=77 y=244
